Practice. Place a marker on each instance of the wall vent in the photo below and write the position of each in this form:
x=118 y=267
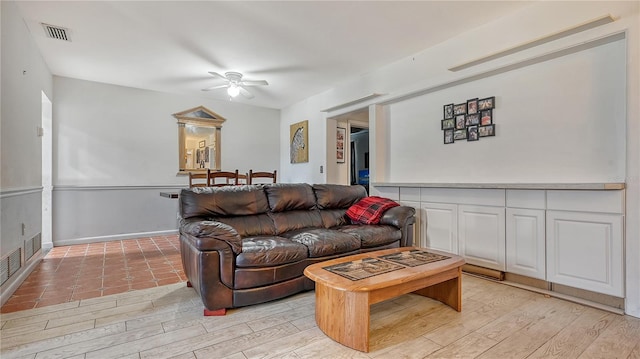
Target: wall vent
x=605 y=19
x=4 y=270
x=56 y=32
x=32 y=246
x=10 y=264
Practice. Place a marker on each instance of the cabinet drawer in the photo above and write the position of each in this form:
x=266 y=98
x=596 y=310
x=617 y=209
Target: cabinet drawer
x=524 y=198
x=586 y=201
x=481 y=197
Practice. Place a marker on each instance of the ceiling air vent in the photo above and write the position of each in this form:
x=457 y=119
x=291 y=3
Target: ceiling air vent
x=56 y=32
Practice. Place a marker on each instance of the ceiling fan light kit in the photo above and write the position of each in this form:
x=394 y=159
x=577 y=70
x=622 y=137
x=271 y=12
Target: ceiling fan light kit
x=234 y=84
x=233 y=90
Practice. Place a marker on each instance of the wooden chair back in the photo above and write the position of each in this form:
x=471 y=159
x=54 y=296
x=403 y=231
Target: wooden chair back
x=223 y=178
x=258 y=175
x=199 y=179
x=243 y=178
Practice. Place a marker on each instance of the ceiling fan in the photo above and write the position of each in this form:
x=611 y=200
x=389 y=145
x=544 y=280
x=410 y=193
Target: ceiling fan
x=235 y=84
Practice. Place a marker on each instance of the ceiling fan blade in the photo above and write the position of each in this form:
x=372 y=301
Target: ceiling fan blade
x=215 y=87
x=254 y=83
x=244 y=92
x=215 y=74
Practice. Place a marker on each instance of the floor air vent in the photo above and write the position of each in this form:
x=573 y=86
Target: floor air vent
x=32 y=246
x=9 y=265
x=56 y=32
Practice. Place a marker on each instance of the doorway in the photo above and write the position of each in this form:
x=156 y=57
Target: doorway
x=359 y=153
x=354 y=168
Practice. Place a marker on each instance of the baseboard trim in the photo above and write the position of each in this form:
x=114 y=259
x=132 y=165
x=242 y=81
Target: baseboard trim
x=482 y=271
x=566 y=297
x=116 y=237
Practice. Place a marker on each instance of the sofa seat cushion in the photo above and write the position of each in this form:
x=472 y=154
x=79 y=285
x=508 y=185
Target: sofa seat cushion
x=267 y=251
x=324 y=242
x=372 y=235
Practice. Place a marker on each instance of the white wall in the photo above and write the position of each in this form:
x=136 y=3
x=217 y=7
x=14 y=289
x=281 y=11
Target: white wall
x=556 y=121
x=24 y=76
x=116 y=148
x=426 y=73
x=114 y=135
x=304 y=172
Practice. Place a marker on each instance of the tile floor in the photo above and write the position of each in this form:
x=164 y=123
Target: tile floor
x=85 y=271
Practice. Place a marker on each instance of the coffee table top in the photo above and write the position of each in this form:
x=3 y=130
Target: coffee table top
x=397 y=273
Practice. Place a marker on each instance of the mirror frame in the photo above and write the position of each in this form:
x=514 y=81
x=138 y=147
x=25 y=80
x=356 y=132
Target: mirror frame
x=202 y=117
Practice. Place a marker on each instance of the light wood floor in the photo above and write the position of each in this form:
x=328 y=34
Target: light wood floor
x=497 y=321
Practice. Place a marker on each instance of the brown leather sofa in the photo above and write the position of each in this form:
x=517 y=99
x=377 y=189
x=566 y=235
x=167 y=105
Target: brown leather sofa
x=244 y=245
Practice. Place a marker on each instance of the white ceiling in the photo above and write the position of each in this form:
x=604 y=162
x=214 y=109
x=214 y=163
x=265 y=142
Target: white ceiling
x=300 y=48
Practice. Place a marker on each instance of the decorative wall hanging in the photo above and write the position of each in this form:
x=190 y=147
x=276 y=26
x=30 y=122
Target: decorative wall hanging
x=299 y=142
x=468 y=121
x=340 y=135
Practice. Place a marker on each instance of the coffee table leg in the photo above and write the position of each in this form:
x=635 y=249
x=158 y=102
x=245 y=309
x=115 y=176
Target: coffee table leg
x=343 y=316
x=448 y=292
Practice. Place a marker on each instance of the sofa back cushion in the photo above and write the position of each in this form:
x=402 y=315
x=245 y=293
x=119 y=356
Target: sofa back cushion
x=210 y=202
x=248 y=226
x=334 y=217
x=334 y=196
x=293 y=220
x=333 y=200
x=290 y=196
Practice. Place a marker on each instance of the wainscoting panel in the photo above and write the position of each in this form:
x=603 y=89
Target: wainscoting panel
x=83 y=214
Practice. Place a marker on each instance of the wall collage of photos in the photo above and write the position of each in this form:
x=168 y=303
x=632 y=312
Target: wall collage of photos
x=469 y=121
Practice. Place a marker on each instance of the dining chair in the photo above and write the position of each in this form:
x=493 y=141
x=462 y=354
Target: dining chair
x=223 y=178
x=199 y=179
x=243 y=178
x=259 y=175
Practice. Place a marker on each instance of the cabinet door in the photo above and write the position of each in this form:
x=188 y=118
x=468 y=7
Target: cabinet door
x=481 y=235
x=417 y=242
x=439 y=228
x=585 y=251
x=526 y=242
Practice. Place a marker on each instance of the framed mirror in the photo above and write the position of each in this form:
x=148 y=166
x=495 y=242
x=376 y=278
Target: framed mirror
x=199 y=133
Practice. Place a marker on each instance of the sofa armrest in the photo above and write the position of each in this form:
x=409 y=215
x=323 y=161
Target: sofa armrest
x=401 y=217
x=207 y=234
x=398 y=216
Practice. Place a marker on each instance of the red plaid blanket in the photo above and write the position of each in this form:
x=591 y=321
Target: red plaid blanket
x=369 y=210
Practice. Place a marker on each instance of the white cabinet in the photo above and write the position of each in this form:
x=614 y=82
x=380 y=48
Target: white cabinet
x=481 y=235
x=525 y=239
x=585 y=250
x=439 y=226
x=573 y=237
x=585 y=240
x=526 y=232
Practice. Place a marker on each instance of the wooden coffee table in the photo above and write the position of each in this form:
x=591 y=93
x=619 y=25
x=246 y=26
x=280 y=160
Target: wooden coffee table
x=342 y=304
